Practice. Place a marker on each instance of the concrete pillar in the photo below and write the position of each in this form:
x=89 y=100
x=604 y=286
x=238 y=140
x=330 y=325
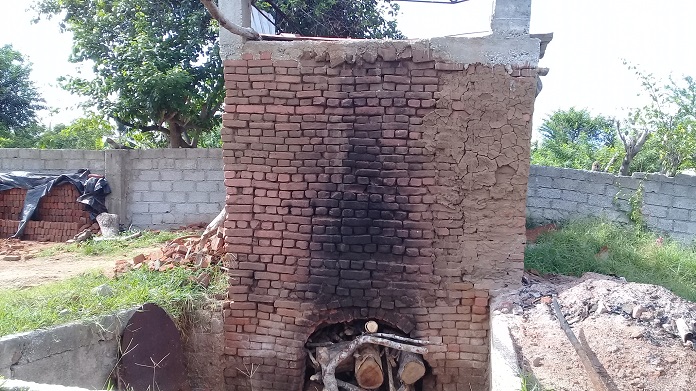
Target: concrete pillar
x=115 y=171
x=511 y=17
x=237 y=12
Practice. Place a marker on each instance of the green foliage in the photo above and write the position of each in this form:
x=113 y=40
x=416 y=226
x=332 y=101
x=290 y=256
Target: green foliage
x=635 y=203
x=19 y=98
x=83 y=133
x=633 y=253
x=156 y=63
x=570 y=125
x=530 y=383
x=670 y=116
x=335 y=18
x=69 y=300
x=19 y=101
x=575 y=139
x=25 y=137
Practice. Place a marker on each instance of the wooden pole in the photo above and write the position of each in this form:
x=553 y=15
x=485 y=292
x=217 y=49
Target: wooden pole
x=595 y=378
x=245 y=32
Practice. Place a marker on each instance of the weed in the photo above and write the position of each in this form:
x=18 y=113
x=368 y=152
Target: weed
x=106 y=247
x=630 y=251
x=72 y=299
x=635 y=202
x=530 y=383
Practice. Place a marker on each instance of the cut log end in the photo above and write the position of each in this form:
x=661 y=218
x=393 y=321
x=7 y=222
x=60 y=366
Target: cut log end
x=371 y=326
x=368 y=367
x=411 y=367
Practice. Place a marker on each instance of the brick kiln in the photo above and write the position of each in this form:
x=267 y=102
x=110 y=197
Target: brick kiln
x=373 y=180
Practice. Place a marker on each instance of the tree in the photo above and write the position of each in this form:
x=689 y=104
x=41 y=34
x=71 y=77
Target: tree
x=669 y=118
x=156 y=63
x=335 y=18
x=19 y=100
x=632 y=140
x=575 y=139
x=83 y=133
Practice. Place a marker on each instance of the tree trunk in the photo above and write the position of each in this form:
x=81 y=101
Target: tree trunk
x=611 y=162
x=368 y=367
x=624 y=170
x=175 y=139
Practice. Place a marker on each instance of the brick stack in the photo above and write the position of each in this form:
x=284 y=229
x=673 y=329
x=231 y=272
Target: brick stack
x=59 y=216
x=379 y=185
x=11 y=203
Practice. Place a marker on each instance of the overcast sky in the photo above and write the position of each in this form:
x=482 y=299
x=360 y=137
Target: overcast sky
x=591 y=40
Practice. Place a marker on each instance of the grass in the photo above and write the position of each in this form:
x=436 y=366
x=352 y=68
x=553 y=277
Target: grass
x=529 y=383
x=107 y=247
x=630 y=252
x=70 y=300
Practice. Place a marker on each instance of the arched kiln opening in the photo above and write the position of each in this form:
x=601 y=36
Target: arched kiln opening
x=364 y=354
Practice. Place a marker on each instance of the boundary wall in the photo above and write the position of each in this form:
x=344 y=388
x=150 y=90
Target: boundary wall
x=154 y=188
x=667 y=204
x=162 y=188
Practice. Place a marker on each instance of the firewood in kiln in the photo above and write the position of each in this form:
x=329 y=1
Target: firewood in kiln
x=368 y=367
x=411 y=367
x=329 y=357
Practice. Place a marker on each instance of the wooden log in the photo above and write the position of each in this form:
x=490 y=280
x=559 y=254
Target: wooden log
x=371 y=326
x=368 y=367
x=596 y=379
x=411 y=367
x=684 y=330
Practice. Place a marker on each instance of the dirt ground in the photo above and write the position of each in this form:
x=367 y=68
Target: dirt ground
x=629 y=327
x=31 y=270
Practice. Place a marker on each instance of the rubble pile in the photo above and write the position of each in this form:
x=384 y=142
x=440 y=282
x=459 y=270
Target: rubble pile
x=192 y=252
x=654 y=307
x=14 y=250
x=642 y=334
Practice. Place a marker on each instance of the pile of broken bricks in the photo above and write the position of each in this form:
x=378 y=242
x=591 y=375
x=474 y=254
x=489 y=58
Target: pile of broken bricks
x=190 y=252
x=14 y=250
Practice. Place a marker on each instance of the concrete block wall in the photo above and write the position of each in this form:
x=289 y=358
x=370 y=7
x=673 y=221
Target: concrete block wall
x=156 y=188
x=51 y=161
x=167 y=187
x=668 y=205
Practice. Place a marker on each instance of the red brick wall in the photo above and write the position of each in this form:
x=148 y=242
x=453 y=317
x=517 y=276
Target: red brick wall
x=386 y=186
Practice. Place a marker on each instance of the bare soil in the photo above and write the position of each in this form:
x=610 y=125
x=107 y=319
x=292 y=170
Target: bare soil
x=629 y=327
x=31 y=270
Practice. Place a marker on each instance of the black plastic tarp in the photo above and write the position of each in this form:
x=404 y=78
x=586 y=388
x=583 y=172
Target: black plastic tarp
x=93 y=191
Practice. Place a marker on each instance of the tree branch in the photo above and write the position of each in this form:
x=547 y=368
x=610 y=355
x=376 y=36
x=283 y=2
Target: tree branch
x=148 y=128
x=245 y=32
